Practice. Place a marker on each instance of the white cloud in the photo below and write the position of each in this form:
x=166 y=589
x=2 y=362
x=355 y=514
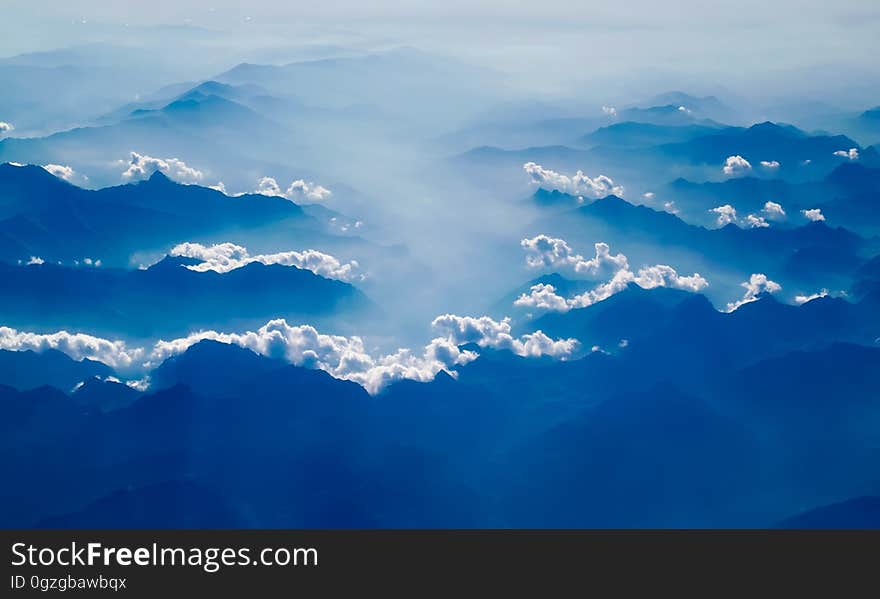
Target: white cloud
x=142 y=166
x=670 y=207
x=756 y=222
x=544 y=297
x=221 y=187
x=773 y=211
x=141 y=384
x=851 y=154
x=814 y=214
x=35 y=260
x=347 y=358
x=486 y=332
x=736 y=165
x=65 y=172
x=609 y=111
x=771 y=164
x=803 y=299
x=578 y=185
x=757 y=284
x=551 y=252
x=5 y=127
x=268 y=186
x=662 y=275
x=78 y=346
x=60 y=171
x=726 y=214
x=342 y=357
x=298 y=191
x=648 y=195
x=223 y=257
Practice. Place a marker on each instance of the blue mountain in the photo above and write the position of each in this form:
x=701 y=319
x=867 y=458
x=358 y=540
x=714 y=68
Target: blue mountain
x=28 y=369
x=635 y=134
x=169 y=299
x=47 y=217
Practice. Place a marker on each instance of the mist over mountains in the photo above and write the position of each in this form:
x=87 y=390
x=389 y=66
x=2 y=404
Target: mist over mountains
x=330 y=277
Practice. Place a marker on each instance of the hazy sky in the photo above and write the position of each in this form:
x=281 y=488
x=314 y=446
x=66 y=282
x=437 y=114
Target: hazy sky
x=750 y=46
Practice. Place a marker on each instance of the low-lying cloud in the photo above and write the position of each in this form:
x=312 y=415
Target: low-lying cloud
x=578 y=185
x=544 y=297
x=773 y=211
x=141 y=166
x=298 y=191
x=65 y=172
x=757 y=284
x=78 y=346
x=543 y=251
x=803 y=299
x=726 y=215
x=224 y=257
x=814 y=214
x=851 y=154
x=736 y=165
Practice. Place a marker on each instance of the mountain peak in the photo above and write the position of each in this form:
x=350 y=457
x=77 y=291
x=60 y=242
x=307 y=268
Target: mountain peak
x=159 y=178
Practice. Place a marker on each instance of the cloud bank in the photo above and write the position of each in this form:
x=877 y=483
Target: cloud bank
x=223 y=257
x=78 y=346
x=545 y=251
x=578 y=185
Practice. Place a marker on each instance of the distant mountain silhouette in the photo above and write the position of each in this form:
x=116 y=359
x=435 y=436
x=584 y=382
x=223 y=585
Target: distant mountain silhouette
x=740 y=438
x=846 y=197
x=635 y=134
x=701 y=106
x=764 y=141
x=168 y=298
x=104 y=395
x=666 y=114
x=784 y=252
x=29 y=370
x=49 y=218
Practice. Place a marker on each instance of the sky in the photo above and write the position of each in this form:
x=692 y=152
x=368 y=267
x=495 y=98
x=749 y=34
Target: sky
x=558 y=47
